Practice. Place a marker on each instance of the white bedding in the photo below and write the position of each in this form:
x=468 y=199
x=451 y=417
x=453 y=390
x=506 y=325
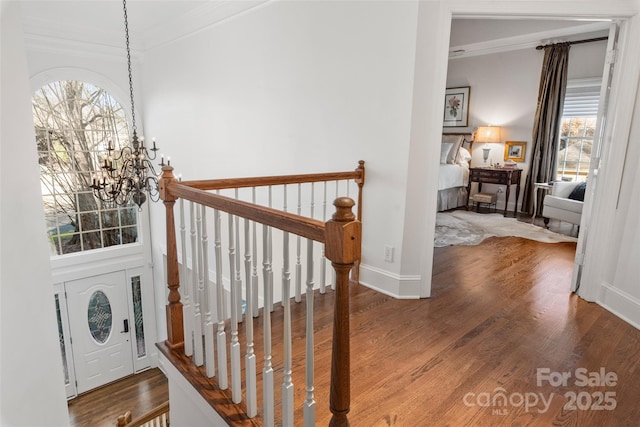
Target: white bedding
x=452 y=176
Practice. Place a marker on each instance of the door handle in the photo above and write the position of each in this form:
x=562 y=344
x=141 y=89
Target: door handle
x=126 y=326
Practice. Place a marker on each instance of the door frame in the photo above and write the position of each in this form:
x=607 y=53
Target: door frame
x=140 y=363
x=623 y=93
x=78 y=294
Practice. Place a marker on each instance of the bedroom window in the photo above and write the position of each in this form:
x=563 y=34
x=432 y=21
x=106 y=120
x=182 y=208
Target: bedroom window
x=577 y=129
x=74 y=122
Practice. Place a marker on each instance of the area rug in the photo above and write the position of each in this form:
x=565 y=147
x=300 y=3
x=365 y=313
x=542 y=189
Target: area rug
x=471 y=228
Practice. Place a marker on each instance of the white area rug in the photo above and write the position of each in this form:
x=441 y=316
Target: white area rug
x=471 y=228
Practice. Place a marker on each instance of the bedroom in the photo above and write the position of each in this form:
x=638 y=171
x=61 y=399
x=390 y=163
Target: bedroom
x=496 y=61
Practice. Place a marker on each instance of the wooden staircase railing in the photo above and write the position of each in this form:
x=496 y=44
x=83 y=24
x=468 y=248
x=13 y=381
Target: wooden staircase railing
x=157 y=417
x=205 y=294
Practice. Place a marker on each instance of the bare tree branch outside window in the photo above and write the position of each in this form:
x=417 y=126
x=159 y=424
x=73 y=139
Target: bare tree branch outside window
x=74 y=122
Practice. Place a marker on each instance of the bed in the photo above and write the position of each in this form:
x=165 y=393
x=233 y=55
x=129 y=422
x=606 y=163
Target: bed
x=453 y=176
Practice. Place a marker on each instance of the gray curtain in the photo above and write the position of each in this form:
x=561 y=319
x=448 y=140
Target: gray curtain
x=546 y=126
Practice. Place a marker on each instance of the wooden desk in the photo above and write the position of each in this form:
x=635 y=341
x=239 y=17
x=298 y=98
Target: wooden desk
x=503 y=176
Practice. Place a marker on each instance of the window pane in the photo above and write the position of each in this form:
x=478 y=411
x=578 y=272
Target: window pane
x=90 y=221
x=137 y=312
x=129 y=216
x=111 y=237
x=99 y=317
x=63 y=348
x=129 y=234
x=91 y=240
x=70 y=242
x=110 y=219
x=574 y=150
x=73 y=122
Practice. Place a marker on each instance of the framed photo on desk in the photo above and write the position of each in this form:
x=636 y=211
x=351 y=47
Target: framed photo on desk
x=514 y=151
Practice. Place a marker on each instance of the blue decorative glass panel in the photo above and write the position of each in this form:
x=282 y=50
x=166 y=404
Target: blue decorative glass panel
x=137 y=313
x=99 y=317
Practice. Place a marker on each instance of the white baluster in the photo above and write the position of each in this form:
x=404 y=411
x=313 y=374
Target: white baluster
x=287 y=383
x=269 y=254
x=250 y=358
x=312 y=206
x=184 y=280
x=267 y=371
x=197 y=322
x=309 y=403
x=254 y=272
x=238 y=280
x=323 y=259
x=298 y=286
x=234 y=350
x=221 y=312
x=208 y=297
x=284 y=208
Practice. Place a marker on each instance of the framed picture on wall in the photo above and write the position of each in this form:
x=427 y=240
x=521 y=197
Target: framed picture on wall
x=456 y=107
x=514 y=150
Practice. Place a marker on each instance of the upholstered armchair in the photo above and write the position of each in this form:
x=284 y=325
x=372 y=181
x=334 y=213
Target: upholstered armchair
x=564 y=203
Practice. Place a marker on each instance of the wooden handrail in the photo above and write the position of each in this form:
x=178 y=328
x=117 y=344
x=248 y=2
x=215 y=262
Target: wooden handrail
x=220 y=184
x=305 y=227
x=126 y=421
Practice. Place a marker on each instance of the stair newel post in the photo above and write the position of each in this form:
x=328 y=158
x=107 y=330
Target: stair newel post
x=343 y=234
x=175 y=328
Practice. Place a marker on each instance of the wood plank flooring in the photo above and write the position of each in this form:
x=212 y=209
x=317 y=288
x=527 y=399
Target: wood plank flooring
x=137 y=393
x=499 y=312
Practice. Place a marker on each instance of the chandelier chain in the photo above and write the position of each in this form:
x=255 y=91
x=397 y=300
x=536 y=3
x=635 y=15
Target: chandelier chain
x=127 y=174
x=126 y=32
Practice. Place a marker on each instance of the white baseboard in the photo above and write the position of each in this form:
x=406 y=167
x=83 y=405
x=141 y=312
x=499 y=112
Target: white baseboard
x=388 y=283
x=620 y=303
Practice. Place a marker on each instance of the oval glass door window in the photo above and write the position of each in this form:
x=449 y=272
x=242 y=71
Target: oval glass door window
x=99 y=317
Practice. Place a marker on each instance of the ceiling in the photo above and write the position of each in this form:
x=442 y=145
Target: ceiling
x=90 y=23
x=101 y=22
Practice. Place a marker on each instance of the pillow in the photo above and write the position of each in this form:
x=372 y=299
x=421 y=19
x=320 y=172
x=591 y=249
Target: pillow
x=463 y=155
x=578 y=192
x=456 y=140
x=445 y=149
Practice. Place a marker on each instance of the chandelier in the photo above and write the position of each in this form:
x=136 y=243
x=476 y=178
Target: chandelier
x=127 y=175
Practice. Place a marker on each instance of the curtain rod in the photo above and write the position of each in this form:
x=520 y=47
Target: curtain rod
x=597 y=39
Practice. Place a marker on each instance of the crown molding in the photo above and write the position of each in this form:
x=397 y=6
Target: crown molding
x=525 y=41
x=42 y=35
x=197 y=19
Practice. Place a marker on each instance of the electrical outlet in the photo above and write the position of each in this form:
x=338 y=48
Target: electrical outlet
x=388 y=253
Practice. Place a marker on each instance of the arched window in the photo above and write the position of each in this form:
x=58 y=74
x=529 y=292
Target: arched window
x=74 y=123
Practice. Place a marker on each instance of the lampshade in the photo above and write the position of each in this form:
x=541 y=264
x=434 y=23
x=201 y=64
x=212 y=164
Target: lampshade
x=487 y=134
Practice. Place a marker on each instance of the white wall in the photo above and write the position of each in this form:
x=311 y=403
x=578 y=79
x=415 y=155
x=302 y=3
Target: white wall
x=504 y=92
x=293 y=87
x=32 y=386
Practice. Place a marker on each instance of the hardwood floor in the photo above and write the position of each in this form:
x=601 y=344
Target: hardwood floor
x=101 y=407
x=499 y=312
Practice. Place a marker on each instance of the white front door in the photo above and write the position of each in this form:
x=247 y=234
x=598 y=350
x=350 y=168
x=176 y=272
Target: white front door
x=100 y=329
